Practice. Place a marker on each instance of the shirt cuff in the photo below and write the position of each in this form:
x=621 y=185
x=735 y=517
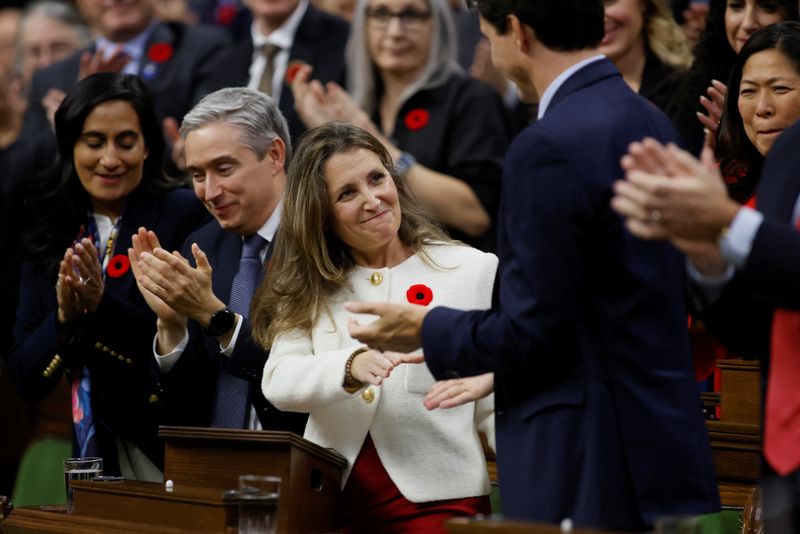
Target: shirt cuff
x=167 y=361
x=228 y=349
x=738 y=241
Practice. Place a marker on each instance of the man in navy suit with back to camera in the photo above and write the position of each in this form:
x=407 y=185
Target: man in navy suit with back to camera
x=597 y=414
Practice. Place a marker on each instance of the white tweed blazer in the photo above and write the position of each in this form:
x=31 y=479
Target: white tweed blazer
x=430 y=455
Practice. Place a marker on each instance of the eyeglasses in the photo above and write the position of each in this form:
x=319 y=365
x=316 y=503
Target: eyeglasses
x=410 y=19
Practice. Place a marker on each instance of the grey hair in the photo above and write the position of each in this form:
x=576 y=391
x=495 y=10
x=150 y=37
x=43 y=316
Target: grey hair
x=253 y=112
x=62 y=12
x=361 y=71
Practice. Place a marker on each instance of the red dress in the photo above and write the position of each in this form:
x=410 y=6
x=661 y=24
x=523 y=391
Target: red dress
x=372 y=503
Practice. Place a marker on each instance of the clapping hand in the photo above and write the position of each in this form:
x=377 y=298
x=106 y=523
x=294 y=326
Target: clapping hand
x=714 y=107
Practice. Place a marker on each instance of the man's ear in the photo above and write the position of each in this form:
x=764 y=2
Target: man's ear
x=277 y=155
x=522 y=33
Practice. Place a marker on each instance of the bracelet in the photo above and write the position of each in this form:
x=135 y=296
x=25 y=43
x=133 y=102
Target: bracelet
x=351 y=384
x=404 y=163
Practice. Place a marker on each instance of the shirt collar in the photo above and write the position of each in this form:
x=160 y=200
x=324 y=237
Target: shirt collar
x=556 y=84
x=270 y=227
x=283 y=36
x=134 y=48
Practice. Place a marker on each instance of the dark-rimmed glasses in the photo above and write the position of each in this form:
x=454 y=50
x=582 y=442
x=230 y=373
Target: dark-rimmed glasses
x=410 y=19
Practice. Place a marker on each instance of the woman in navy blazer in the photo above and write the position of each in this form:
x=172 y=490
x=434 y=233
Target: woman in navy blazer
x=80 y=311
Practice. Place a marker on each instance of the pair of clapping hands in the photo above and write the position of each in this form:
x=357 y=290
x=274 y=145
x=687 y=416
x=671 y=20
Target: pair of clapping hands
x=317 y=104
x=172 y=288
x=80 y=283
x=669 y=194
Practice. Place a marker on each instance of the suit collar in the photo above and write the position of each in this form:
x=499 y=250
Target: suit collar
x=588 y=73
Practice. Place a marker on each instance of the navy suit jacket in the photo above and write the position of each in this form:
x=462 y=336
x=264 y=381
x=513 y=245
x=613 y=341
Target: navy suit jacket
x=742 y=317
x=320 y=41
x=115 y=342
x=597 y=414
x=176 y=85
x=192 y=382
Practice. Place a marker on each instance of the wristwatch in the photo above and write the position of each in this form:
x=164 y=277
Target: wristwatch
x=404 y=163
x=221 y=322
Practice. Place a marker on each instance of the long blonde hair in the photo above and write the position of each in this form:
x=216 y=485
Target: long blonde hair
x=310 y=263
x=665 y=37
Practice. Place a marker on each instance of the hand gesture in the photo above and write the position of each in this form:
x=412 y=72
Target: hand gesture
x=310 y=100
x=714 y=107
x=68 y=305
x=50 y=102
x=346 y=109
x=146 y=241
x=94 y=63
x=374 y=366
x=451 y=393
x=668 y=194
x=398 y=327
x=86 y=265
x=185 y=289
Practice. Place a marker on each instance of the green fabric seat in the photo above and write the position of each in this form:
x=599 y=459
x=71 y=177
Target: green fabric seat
x=40 y=478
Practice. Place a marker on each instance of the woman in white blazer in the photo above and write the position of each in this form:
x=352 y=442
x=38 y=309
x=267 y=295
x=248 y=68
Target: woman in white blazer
x=350 y=231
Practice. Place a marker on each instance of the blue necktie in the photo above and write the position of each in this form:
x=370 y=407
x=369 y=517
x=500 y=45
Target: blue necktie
x=232 y=402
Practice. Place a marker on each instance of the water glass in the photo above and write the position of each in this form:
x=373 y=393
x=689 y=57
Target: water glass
x=80 y=469
x=258 y=504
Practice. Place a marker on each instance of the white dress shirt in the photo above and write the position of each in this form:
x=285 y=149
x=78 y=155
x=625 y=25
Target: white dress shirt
x=282 y=37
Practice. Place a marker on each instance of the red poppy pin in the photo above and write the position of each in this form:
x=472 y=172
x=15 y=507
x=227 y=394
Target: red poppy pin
x=118 y=266
x=419 y=294
x=225 y=14
x=417 y=119
x=160 y=52
x=291 y=70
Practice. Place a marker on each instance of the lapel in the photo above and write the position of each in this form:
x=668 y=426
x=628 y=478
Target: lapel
x=152 y=72
x=779 y=187
x=141 y=210
x=588 y=75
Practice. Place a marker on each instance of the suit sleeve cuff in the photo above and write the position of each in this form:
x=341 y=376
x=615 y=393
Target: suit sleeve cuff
x=227 y=350
x=167 y=361
x=737 y=243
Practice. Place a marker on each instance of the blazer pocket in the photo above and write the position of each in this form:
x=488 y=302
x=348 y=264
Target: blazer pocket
x=418 y=378
x=567 y=395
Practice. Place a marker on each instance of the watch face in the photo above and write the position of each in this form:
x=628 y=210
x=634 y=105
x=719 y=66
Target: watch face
x=222 y=321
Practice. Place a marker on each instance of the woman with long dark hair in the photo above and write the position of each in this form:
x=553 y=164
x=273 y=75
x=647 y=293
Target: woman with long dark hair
x=80 y=311
x=763 y=100
x=729 y=24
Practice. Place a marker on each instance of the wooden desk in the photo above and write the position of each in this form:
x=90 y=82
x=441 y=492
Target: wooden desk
x=482 y=526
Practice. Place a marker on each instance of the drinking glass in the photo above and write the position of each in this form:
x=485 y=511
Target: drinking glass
x=80 y=469
x=258 y=504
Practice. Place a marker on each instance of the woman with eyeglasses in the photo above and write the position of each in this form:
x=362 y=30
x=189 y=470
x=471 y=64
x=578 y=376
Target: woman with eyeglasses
x=446 y=132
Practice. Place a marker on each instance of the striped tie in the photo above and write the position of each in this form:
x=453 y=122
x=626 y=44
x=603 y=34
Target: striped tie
x=232 y=402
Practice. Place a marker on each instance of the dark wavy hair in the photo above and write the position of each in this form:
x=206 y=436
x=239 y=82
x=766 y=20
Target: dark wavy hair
x=713 y=60
x=564 y=25
x=740 y=161
x=59 y=204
